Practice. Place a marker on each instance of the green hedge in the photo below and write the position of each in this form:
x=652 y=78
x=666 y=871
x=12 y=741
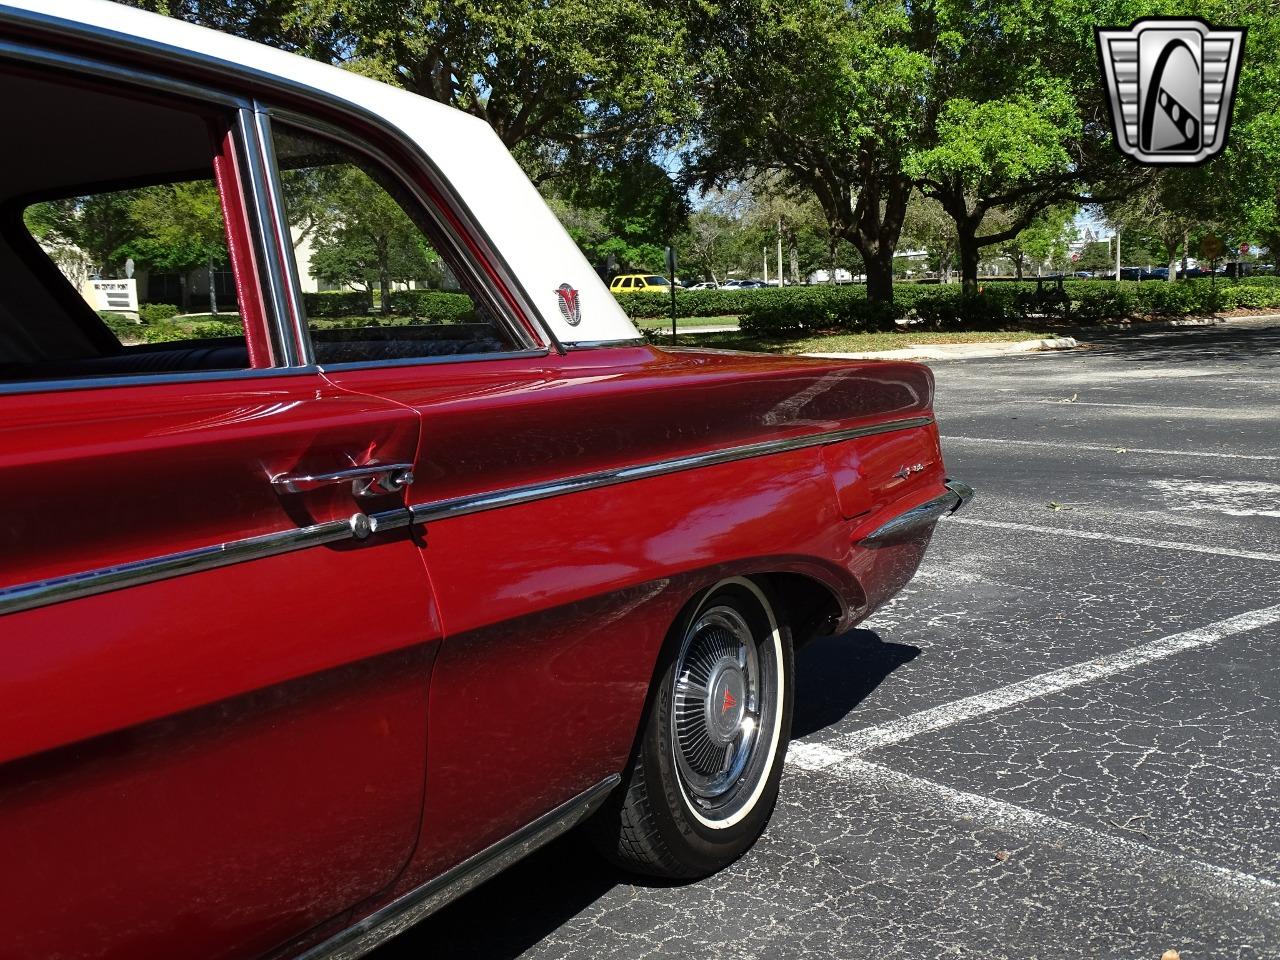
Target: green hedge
x=337 y=304
x=433 y=306
x=798 y=311
x=157 y=312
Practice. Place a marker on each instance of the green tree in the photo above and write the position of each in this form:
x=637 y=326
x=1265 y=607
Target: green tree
x=179 y=227
x=827 y=93
x=1044 y=241
x=362 y=238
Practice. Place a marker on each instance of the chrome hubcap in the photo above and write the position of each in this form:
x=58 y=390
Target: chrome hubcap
x=717 y=703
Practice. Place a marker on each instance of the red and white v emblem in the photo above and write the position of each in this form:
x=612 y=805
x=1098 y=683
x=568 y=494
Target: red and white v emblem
x=729 y=703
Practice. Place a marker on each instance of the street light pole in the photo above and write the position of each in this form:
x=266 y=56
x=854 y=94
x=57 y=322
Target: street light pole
x=1117 y=252
x=780 y=252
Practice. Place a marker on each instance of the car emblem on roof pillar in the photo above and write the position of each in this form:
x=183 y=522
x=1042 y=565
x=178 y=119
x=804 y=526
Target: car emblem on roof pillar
x=1171 y=84
x=569 y=308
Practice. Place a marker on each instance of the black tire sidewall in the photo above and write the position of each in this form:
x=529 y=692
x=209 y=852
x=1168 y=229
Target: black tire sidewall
x=700 y=848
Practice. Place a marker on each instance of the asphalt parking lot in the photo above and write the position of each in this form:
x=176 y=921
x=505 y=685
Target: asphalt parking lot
x=1061 y=741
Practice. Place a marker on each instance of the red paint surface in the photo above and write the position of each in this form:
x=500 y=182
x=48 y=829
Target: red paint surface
x=555 y=611
x=211 y=764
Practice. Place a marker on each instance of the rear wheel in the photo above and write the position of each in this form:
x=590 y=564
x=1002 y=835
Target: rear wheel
x=705 y=776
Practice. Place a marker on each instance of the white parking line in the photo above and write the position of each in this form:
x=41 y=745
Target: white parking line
x=1157 y=407
x=1117 y=538
x=950 y=714
x=1039 y=828
x=1117 y=449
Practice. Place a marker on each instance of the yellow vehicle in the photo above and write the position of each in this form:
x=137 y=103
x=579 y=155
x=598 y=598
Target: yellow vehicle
x=640 y=283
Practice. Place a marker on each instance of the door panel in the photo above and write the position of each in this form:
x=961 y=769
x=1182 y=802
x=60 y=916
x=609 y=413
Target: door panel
x=209 y=764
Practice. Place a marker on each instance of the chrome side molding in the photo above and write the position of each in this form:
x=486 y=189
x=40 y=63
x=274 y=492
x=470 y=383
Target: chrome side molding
x=73 y=586
x=919 y=519
x=460 y=506
x=39 y=593
x=403 y=913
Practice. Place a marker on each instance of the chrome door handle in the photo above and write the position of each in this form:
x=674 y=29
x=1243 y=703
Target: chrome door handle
x=370 y=480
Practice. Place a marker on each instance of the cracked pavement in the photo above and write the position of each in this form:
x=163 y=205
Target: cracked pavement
x=961 y=786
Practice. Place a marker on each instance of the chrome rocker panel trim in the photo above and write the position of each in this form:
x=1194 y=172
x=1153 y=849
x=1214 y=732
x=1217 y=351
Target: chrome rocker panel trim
x=39 y=593
x=403 y=913
x=919 y=519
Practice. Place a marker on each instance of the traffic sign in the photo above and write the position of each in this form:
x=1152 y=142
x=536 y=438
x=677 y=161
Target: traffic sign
x=1211 y=246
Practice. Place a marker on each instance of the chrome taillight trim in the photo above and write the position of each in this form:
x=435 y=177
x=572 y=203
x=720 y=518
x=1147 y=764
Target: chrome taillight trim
x=917 y=520
x=474 y=503
x=404 y=912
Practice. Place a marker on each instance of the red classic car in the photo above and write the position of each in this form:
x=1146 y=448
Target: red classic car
x=398 y=551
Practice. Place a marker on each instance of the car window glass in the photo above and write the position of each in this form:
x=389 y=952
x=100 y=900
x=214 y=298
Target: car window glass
x=115 y=255
x=376 y=285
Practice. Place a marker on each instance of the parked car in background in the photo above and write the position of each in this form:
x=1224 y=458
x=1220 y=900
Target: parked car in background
x=239 y=570
x=704 y=285
x=640 y=283
x=1155 y=273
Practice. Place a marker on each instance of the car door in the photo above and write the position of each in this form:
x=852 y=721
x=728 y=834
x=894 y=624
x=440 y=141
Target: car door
x=215 y=629
x=551 y=620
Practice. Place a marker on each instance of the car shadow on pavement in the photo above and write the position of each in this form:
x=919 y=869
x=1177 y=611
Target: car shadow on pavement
x=517 y=909
x=835 y=674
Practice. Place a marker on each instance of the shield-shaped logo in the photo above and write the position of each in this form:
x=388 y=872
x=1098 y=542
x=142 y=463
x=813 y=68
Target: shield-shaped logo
x=1171 y=83
x=569 y=308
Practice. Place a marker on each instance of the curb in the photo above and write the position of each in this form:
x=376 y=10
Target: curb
x=958 y=351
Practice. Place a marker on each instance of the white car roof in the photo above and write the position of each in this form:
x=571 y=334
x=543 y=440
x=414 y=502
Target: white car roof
x=471 y=157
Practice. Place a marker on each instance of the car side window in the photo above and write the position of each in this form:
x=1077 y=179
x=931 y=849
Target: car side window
x=376 y=283
x=113 y=245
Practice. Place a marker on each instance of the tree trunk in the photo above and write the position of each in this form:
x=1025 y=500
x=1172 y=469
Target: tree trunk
x=213 y=289
x=1017 y=267
x=969 y=252
x=831 y=261
x=879 y=269
x=184 y=292
x=794 y=252
x=384 y=291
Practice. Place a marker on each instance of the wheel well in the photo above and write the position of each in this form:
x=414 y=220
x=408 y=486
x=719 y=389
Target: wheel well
x=811 y=607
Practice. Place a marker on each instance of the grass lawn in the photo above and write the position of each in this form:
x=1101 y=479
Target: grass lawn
x=664 y=323
x=851 y=342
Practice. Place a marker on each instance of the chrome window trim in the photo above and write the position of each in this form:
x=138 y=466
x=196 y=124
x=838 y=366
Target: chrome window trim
x=531 y=354
x=475 y=503
x=574 y=345
x=416 y=905
x=247 y=140
x=77 y=63
x=147 y=379
x=282 y=291
x=457 y=249
x=41 y=593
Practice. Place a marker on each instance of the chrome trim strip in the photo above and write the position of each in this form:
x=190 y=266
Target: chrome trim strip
x=602 y=344
x=474 y=503
x=401 y=914
x=73 y=586
x=530 y=354
x=147 y=379
x=920 y=518
x=280 y=266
